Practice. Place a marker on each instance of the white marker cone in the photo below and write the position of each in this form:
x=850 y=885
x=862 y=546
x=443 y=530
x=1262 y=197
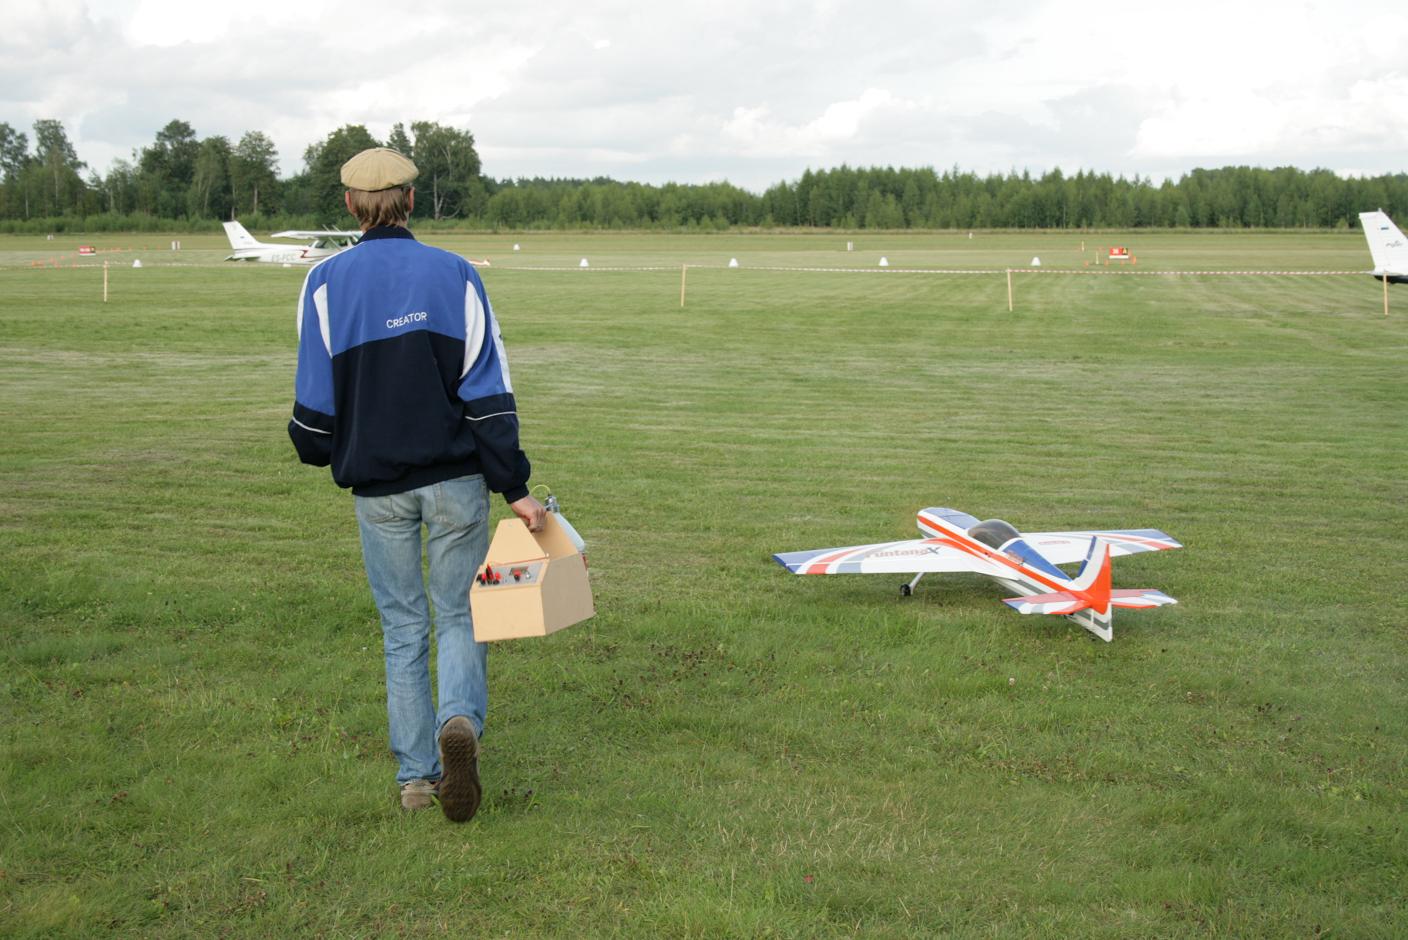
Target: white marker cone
x=733 y=262
x=884 y=262
x=137 y=263
x=584 y=264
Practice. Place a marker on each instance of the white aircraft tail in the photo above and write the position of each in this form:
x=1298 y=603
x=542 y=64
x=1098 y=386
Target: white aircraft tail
x=1386 y=244
x=239 y=238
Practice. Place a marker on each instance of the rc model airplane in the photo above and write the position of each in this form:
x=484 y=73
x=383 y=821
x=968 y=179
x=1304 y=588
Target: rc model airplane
x=1387 y=246
x=1027 y=564
x=324 y=244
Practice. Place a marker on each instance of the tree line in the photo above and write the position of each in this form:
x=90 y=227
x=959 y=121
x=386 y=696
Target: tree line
x=183 y=181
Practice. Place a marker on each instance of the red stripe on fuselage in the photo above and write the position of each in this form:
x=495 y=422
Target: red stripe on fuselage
x=960 y=540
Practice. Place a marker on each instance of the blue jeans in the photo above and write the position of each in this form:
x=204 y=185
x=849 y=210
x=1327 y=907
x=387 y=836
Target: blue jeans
x=456 y=518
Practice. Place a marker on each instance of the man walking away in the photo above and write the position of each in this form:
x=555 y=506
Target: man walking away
x=403 y=388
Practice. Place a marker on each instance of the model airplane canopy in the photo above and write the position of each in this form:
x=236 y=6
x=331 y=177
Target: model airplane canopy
x=1387 y=246
x=1026 y=563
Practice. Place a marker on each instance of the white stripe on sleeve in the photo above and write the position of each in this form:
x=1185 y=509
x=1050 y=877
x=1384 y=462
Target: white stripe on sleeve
x=320 y=302
x=473 y=327
x=307 y=428
x=496 y=414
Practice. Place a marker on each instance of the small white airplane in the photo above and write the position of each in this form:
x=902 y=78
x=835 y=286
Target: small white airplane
x=324 y=244
x=955 y=541
x=1387 y=245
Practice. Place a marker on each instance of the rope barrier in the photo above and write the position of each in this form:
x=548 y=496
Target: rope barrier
x=797 y=269
x=950 y=271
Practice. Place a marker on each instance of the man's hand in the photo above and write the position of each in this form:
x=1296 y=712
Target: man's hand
x=530 y=511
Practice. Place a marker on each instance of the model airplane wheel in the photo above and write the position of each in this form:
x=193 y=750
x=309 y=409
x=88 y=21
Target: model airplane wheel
x=906 y=590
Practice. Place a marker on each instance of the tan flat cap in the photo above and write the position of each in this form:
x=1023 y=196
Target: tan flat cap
x=377 y=169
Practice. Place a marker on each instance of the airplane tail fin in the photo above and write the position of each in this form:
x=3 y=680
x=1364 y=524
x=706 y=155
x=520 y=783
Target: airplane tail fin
x=1089 y=599
x=1386 y=243
x=1089 y=590
x=1094 y=577
x=239 y=238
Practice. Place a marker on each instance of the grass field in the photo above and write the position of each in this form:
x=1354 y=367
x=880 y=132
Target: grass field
x=194 y=727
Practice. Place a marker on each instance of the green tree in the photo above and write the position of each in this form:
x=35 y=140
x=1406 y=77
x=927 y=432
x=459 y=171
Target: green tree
x=209 y=193
x=173 y=154
x=14 y=156
x=14 y=152
x=398 y=140
x=119 y=187
x=166 y=170
x=63 y=187
x=324 y=167
x=253 y=173
x=447 y=162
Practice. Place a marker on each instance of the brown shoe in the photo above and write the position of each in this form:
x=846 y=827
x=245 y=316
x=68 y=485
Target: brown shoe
x=459 y=763
x=417 y=794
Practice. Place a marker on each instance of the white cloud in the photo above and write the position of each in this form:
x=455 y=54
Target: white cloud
x=171 y=22
x=1241 y=123
x=755 y=131
x=752 y=91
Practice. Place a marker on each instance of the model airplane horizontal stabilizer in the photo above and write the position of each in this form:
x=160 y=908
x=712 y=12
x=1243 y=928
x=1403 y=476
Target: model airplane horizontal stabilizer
x=1131 y=599
x=1089 y=591
x=957 y=542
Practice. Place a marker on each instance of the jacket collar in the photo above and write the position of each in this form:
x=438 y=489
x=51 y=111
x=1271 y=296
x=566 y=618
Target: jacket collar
x=387 y=231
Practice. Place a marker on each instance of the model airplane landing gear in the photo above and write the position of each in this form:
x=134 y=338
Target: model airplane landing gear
x=907 y=589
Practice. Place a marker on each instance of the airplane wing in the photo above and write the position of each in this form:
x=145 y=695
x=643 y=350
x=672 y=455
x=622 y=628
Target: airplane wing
x=1061 y=548
x=911 y=557
x=302 y=233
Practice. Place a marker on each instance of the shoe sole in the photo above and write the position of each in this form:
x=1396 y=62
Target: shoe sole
x=460 y=792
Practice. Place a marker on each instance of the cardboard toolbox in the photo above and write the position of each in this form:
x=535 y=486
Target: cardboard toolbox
x=530 y=584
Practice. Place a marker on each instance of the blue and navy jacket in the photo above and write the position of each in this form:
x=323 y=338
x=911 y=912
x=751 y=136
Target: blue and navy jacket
x=402 y=378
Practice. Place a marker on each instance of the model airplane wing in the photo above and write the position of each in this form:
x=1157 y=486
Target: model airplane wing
x=1061 y=548
x=911 y=557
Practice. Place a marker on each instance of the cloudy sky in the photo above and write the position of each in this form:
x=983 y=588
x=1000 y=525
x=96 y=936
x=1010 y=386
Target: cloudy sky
x=752 y=92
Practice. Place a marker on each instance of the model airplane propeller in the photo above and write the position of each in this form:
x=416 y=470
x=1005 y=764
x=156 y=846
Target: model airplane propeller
x=955 y=541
